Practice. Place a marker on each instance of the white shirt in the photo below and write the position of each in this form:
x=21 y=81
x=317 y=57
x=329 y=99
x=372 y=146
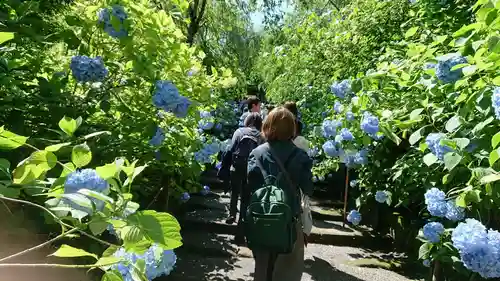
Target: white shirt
x=301 y=143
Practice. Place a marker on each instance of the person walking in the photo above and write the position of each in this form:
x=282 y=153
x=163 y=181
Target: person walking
x=253 y=105
x=235 y=161
x=299 y=140
x=278 y=171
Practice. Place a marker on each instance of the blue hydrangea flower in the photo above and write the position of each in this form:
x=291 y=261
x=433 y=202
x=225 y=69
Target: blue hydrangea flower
x=353 y=183
x=346 y=135
x=436 y=203
x=167 y=97
x=205 y=114
x=479 y=248
x=104 y=17
x=324 y=114
x=433 y=231
x=369 y=123
x=349 y=116
x=84 y=179
x=330 y=149
x=158 y=138
x=315 y=179
x=342 y=89
x=204 y=155
x=205 y=125
x=444 y=72
x=338 y=107
x=218 y=165
x=321 y=178
x=427 y=263
x=218 y=127
x=495 y=102
x=354 y=217
x=381 y=196
x=205 y=190
x=454 y=212
x=86 y=69
x=330 y=128
x=158 y=155
x=433 y=141
x=185 y=197
x=361 y=157
x=158 y=262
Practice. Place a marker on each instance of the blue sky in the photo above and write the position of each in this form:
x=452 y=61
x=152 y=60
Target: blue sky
x=258 y=18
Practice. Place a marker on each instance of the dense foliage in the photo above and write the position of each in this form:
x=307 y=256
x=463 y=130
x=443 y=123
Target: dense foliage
x=412 y=110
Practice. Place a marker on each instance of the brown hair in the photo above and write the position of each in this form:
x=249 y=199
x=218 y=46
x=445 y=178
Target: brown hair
x=292 y=106
x=253 y=120
x=251 y=101
x=279 y=125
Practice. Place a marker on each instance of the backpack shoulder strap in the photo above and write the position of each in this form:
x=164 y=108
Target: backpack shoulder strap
x=283 y=167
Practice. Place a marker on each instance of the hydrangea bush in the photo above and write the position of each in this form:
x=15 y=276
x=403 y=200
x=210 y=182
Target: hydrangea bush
x=91 y=201
x=423 y=118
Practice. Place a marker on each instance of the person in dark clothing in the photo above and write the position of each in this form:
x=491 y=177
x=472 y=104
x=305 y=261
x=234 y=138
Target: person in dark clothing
x=235 y=161
x=253 y=105
x=279 y=129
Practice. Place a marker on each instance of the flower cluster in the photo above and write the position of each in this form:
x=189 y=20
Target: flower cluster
x=341 y=89
x=353 y=158
x=330 y=128
x=104 y=17
x=444 y=72
x=433 y=231
x=354 y=217
x=349 y=116
x=369 y=124
x=330 y=148
x=205 y=190
x=158 y=138
x=495 y=101
x=433 y=141
x=167 y=97
x=204 y=156
x=338 y=107
x=81 y=180
x=381 y=196
x=479 y=248
x=437 y=205
x=346 y=135
x=185 y=196
x=206 y=123
x=86 y=69
x=159 y=262
x=313 y=152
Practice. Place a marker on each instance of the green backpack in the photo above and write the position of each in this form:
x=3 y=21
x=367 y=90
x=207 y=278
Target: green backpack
x=270 y=222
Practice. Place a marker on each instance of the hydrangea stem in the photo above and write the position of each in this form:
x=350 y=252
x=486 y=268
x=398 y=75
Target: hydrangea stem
x=3 y=265
x=38 y=246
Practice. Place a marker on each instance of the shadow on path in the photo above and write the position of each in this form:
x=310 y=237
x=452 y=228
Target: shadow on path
x=321 y=270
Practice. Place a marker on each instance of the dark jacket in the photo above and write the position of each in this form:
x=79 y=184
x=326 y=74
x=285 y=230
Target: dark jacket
x=299 y=167
x=227 y=158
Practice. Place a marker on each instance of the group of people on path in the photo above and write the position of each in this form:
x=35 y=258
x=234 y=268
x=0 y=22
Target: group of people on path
x=268 y=169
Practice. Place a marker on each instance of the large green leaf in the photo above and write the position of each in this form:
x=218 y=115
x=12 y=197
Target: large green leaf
x=430 y=159
x=81 y=155
x=112 y=276
x=160 y=228
x=68 y=125
x=494 y=156
x=9 y=140
x=453 y=124
x=107 y=171
x=451 y=160
x=495 y=140
x=6 y=36
x=66 y=251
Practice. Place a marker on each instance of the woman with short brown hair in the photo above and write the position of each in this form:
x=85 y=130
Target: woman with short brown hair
x=279 y=130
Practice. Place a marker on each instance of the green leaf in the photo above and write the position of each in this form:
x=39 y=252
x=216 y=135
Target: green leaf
x=451 y=160
x=466 y=29
x=453 y=123
x=98 y=226
x=106 y=262
x=410 y=32
x=9 y=140
x=96 y=134
x=46 y=159
x=424 y=250
x=430 y=159
x=112 y=276
x=161 y=228
x=460 y=200
x=490 y=178
x=4 y=168
x=496 y=81
x=416 y=136
x=473 y=196
x=81 y=155
x=388 y=132
x=415 y=114
x=68 y=125
x=462 y=143
x=107 y=171
x=9 y=192
x=68 y=168
x=6 y=36
x=480 y=126
x=469 y=70
x=24 y=174
x=495 y=140
x=66 y=251
x=56 y=147
x=494 y=155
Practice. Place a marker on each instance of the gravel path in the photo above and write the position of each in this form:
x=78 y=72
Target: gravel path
x=323 y=263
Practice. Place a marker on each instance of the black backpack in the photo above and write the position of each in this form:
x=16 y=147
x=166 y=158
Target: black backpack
x=242 y=151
